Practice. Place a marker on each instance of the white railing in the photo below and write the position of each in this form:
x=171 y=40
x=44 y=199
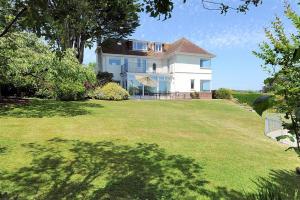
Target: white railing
x=133 y=68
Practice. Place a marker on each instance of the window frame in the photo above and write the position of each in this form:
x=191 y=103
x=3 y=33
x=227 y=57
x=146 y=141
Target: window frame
x=192 y=84
x=158 y=45
x=114 y=58
x=203 y=60
x=142 y=65
x=135 y=46
x=201 y=85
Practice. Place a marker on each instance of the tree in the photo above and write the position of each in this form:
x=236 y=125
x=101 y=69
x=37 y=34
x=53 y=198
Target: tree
x=77 y=24
x=23 y=60
x=284 y=70
x=26 y=61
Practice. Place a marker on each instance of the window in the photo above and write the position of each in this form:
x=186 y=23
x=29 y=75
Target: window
x=114 y=61
x=141 y=65
x=204 y=63
x=205 y=85
x=158 y=47
x=192 y=84
x=154 y=68
x=139 y=46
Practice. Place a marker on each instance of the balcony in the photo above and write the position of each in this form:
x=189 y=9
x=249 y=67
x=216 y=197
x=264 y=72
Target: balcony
x=133 y=68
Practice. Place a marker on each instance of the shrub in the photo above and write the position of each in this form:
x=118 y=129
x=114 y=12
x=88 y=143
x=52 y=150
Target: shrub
x=103 y=78
x=70 y=91
x=223 y=93
x=194 y=95
x=69 y=78
x=273 y=192
x=111 y=91
x=246 y=97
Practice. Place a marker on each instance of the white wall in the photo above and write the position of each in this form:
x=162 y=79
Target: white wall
x=189 y=63
x=182 y=81
x=187 y=67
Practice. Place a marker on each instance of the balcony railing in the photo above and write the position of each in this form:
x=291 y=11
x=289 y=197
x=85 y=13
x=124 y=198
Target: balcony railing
x=133 y=68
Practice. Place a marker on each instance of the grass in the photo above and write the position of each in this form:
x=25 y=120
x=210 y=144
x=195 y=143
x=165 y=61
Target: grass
x=139 y=150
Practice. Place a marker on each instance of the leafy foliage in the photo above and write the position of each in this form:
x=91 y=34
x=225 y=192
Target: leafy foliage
x=223 y=93
x=78 y=24
x=284 y=71
x=104 y=78
x=263 y=103
x=28 y=62
x=75 y=23
x=24 y=60
x=194 y=95
x=246 y=97
x=111 y=91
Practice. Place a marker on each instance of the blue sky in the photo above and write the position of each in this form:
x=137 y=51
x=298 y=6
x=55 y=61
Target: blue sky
x=232 y=38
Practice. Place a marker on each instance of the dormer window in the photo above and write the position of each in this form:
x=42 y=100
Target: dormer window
x=157 y=47
x=139 y=46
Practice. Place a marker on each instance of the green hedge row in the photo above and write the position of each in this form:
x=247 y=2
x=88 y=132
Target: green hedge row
x=246 y=97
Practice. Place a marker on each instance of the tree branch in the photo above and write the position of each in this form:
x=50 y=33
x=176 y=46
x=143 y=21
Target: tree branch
x=6 y=29
x=243 y=7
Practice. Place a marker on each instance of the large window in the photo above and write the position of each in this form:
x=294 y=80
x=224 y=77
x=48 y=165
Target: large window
x=205 y=86
x=139 y=46
x=158 y=47
x=192 y=84
x=205 y=63
x=114 y=61
x=141 y=65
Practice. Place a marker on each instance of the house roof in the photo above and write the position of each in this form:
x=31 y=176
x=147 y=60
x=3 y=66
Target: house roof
x=182 y=45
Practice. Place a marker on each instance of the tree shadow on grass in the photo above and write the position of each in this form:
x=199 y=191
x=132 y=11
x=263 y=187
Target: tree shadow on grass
x=3 y=149
x=104 y=170
x=72 y=169
x=47 y=108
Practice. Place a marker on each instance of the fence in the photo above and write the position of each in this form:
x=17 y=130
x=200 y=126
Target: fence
x=274 y=129
x=273 y=123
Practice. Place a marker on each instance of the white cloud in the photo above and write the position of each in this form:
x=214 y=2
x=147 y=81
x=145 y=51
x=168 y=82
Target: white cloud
x=229 y=38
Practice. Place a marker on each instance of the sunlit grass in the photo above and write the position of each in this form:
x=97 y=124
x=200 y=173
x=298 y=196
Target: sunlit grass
x=224 y=139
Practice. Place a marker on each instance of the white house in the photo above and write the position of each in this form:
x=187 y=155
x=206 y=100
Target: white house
x=178 y=69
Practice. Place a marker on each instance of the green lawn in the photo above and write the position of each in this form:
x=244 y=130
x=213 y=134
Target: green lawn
x=138 y=150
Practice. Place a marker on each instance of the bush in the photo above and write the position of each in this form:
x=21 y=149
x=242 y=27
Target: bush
x=246 y=97
x=111 y=91
x=69 y=79
x=223 y=93
x=273 y=192
x=103 y=78
x=70 y=92
x=194 y=95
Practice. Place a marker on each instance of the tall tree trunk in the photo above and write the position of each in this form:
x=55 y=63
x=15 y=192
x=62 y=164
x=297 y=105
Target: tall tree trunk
x=80 y=49
x=80 y=53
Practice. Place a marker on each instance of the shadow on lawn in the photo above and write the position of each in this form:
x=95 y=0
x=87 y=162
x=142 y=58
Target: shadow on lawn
x=105 y=170
x=3 y=150
x=47 y=108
